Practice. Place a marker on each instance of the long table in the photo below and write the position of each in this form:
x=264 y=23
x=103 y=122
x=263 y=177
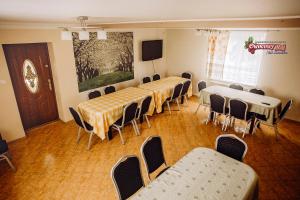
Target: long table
x=203 y=174
x=263 y=105
x=103 y=111
x=163 y=88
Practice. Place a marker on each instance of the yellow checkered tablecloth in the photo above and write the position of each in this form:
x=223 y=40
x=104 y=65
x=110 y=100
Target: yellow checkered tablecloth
x=103 y=111
x=163 y=89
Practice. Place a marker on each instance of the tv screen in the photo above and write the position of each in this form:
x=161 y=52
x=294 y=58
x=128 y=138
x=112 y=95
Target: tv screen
x=151 y=49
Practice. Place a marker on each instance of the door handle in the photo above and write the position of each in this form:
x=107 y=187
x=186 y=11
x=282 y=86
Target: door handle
x=50 y=85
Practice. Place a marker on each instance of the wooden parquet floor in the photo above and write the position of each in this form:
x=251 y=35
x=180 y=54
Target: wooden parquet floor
x=51 y=165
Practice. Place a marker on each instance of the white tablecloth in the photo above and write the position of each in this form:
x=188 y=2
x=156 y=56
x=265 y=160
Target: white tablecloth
x=203 y=174
x=255 y=101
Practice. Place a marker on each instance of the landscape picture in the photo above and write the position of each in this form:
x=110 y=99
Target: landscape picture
x=103 y=62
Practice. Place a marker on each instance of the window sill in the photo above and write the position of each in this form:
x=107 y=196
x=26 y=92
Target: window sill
x=226 y=83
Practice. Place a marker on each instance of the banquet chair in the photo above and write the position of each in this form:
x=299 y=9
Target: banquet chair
x=127 y=177
x=201 y=85
x=217 y=107
x=129 y=114
x=238 y=109
x=236 y=86
x=143 y=109
x=257 y=91
x=94 y=94
x=82 y=125
x=153 y=155
x=186 y=75
x=185 y=89
x=175 y=95
x=4 y=154
x=146 y=79
x=156 y=77
x=109 y=89
x=263 y=119
x=232 y=146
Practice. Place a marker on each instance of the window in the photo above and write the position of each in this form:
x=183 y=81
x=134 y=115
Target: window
x=238 y=65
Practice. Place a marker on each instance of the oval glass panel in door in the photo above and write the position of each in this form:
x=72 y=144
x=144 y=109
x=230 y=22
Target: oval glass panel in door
x=30 y=76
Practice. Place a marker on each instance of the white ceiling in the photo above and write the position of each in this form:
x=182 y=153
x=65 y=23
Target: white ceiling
x=111 y=11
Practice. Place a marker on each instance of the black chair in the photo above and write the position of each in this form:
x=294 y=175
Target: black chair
x=127 y=177
x=156 y=77
x=238 y=109
x=257 y=91
x=82 y=125
x=185 y=89
x=232 y=146
x=142 y=111
x=236 y=87
x=186 y=75
x=94 y=94
x=129 y=114
x=153 y=155
x=263 y=118
x=175 y=95
x=109 y=89
x=201 y=85
x=4 y=154
x=217 y=107
x=146 y=79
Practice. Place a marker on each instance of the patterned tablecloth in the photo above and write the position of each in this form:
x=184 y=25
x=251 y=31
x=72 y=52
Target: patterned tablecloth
x=103 y=111
x=163 y=89
x=255 y=101
x=203 y=174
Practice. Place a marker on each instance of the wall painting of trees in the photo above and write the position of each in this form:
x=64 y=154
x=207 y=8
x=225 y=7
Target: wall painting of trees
x=103 y=62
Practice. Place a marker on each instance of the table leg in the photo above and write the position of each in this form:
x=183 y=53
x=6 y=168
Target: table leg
x=252 y=125
x=109 y=133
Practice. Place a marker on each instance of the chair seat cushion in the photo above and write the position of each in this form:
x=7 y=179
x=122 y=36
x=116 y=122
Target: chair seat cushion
x=119 y=121
x=261 y=117
x=249 y=116
x=162 y=171
x=88 y=126
x=168 y=99
x=3 y=146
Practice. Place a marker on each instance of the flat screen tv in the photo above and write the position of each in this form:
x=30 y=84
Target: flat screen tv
x=151 y=49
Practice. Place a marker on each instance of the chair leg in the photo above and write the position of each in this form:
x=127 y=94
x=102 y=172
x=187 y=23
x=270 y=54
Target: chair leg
x=169 y=107
x=178 y=104
x=146 y=117
x=137 y=127
x=198 y=108
x=186 y=99
x=276 y=131
x=90 y=140
x=134 y=128
x=8 y=161
x=78 y=135
x=121 y=136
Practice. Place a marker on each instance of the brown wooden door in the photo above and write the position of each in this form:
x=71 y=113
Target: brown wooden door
x=30 y=72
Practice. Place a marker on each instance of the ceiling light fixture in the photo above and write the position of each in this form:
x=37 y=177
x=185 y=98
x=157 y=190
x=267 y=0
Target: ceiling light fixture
x=65 y=34
x=102 y=35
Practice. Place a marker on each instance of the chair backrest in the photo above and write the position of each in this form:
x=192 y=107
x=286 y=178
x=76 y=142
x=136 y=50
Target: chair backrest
x=76 y=117
x=287 y=106
x=156 y=77
x=109 y=89
x=201 y=85
x=257 y=91
x=187 y=75
x=129 y=112
x=236 y=86
x=94 y=94
x=177 y=91
x=185 y=87
x=232 y=146
x=217 y=103
x=3 y=147
x=238 y=109
x=145 y=105
x=127 y=177
x=146 y=79
x=152 y=153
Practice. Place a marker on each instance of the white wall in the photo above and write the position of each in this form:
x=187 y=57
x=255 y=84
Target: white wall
x=279 y=75
x=64 y=73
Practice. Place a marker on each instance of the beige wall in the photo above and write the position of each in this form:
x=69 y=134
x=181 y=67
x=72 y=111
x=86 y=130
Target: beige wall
x=64 y=73
x=279 y=75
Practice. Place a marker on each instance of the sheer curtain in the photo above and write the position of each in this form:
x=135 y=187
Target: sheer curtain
x=238 y=65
